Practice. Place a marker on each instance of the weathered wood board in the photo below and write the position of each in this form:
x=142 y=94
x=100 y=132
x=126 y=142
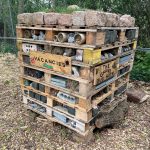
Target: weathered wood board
x=104 y=72
x=51 y=61
x=91 y=56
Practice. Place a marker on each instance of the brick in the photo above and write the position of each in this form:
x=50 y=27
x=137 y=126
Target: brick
x=78 y=18
x=127 y=21
x=65 y=20
x=112 y=20
x=38 y=18
x=95 y=18
x=25 y=18
x=51 y=18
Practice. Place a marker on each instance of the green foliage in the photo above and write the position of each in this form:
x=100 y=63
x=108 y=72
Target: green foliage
x=141 y=68
x=7 y=47
x=63 y=10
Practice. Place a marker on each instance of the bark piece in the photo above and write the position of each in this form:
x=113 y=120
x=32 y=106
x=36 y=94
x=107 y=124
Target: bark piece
x=78 y=18
x=95 y=18
x=38 y=18
x=51 y=18
x=136 y=95
x=127 y=21
x=25 y=18
x=65 y=20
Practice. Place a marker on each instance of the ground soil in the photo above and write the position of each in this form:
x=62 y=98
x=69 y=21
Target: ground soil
x=18 y=132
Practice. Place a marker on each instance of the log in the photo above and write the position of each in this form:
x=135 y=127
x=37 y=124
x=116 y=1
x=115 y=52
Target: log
x=112 y=114
x=136 y=95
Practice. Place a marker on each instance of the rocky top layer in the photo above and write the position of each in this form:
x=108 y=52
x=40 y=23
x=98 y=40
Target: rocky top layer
x=78 y=18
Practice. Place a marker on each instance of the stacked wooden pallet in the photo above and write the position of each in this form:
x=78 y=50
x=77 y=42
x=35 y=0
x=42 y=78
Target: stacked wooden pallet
x=73 y=74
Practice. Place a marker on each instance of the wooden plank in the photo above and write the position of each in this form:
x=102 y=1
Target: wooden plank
x=58 y=44
x=49 y=35
x=91 y=57
x=84 y=117
x=19 y=33
x=101 y=98
x=53 y=119
x=90 y=38
x=57 y=29
x=104 y=71
x=117 y=28
x=48 y=73
x=51 y=61
x=77 y=30
x=72 y=45
x=100 y=38
x=66 y=90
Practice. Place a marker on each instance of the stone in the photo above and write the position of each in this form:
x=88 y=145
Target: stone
x=95 y=18
x=65 y=20
x=112 y=20
x=127 y=21
x=78 y=18
x=136 y=95
x=25 y=18
x=51 y=18
x=38 y=18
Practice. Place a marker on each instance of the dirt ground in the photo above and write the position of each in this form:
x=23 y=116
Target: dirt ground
x=17 y=132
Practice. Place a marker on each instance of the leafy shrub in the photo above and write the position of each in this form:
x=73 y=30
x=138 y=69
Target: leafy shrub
x=8 y=47
x=141 y=68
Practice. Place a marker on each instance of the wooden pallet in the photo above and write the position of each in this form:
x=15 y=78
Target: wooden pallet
x=83 y=104
x=80 y=127
x=81 y=94
x=94 y=37
x=84 y=73
x=89 y=57
x=84 y=88
x=83 y=129
x=82 y=107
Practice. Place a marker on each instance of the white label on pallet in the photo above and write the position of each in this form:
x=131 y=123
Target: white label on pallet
x=29 y=47
x=24 y=99
x=49 y=111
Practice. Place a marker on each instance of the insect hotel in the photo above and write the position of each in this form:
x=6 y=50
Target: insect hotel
x=75 y=68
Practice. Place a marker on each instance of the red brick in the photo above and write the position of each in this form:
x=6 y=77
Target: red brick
x=112 y=20
x=65 y=20
x=78 y=18
x=38 y=18
x=95 y=18
x=51 y=18
x=127 y=21
x=25 y=18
